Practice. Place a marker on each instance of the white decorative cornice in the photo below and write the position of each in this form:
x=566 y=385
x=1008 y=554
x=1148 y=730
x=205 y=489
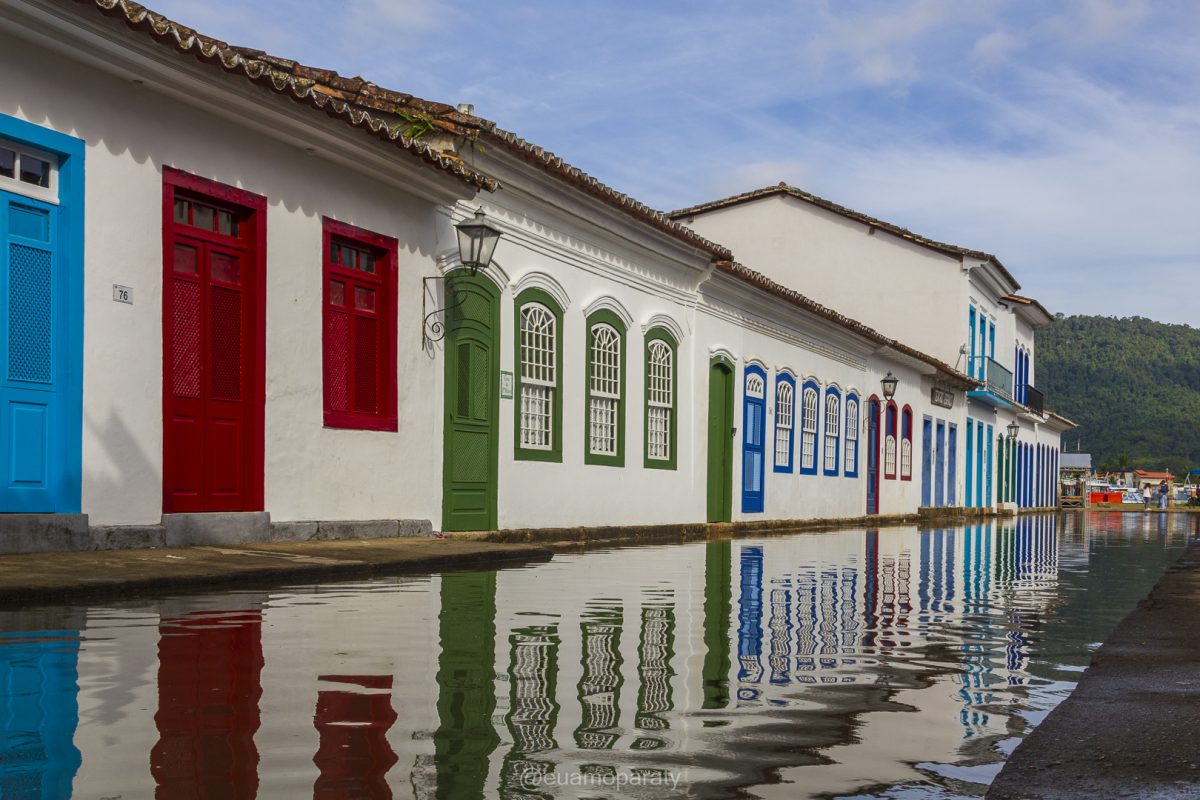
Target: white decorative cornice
x=449 y=261
x=544 y=281
x=666 y=323
x=721 y=352
x=611 y=304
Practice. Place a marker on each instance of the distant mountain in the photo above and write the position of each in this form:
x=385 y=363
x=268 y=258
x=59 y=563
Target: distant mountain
x=1132 y=385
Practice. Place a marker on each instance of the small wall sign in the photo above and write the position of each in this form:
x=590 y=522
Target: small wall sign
x=506 y=385
x=122 y=294
x=941 y=397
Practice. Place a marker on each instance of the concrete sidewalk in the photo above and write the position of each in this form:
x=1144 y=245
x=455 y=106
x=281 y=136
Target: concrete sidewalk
x=1132 y=726
x=76 y=576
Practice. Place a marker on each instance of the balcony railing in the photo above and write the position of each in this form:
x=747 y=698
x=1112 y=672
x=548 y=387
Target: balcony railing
x=1035 y=401
x=996 y=378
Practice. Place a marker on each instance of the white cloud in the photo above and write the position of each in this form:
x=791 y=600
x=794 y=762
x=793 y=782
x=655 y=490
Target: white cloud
x=994 y=48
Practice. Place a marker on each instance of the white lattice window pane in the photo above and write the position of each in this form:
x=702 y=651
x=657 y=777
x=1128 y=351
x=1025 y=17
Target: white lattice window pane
x=832 y=420
x=782 y=436
x=808 y=450
x=538 y=374
x=606 y=362
x=659 y=432
x=889 y=455
x=660 y=374
x=661 y=398
x=906 y=458
x=603 y=426
x=537 y=406
x=851 y=435
x=605 y=390
x=537 y=345
x=783 y=424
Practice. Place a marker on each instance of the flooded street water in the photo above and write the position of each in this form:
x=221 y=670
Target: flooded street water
x=901 y=663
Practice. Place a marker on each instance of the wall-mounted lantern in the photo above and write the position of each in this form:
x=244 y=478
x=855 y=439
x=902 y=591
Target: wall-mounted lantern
x=1013 y=429
x=889 y=385
x=477 y=240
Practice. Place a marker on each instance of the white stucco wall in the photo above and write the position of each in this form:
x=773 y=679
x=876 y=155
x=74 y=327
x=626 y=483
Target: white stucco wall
x=312 y=472
x=873 y=277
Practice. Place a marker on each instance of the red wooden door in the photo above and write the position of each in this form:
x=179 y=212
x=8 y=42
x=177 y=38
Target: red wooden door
x=212 y=373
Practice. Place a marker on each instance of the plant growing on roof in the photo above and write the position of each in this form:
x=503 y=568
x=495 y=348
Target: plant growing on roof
x=418 y=124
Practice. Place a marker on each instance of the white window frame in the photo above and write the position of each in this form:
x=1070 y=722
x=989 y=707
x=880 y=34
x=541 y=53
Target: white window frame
x=604 y=389
x=538 y=388
x=851 y=457
x=785 y=406
x=660 y=397
x=46 y=194
x=808 y=422
x=833 y=420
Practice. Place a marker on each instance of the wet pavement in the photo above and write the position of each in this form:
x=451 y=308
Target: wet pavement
x=46 y=577
x=1132 y=727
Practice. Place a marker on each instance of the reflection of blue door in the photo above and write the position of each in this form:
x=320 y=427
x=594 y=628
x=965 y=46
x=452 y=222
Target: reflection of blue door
x=873 y=457
x=39 y=712
x=41 y=318
x=753 y=426
x=926 y=461
x=750 y=617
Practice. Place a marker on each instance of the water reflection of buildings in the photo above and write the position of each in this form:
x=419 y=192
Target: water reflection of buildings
x=684 y=658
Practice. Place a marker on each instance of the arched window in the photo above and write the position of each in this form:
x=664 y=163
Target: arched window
x=851 y=465
x=660 y=400
x=785 y=404
x=889 y=443
x=539 y=353
x=808 y=430
x=754 y=413
x=906 y=423
x=833 y=430
x=606 y=390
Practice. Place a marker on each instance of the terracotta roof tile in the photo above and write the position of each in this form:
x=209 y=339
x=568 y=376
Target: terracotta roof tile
x=321 y=90
x=338 y=95
x=764 y=283
x=828 y=205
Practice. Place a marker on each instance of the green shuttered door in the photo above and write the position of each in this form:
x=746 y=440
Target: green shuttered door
x=472 y=405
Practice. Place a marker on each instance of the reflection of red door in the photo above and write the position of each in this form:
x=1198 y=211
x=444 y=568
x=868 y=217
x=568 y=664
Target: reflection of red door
x=212 y=340
x=209 y=685
x=355 y=756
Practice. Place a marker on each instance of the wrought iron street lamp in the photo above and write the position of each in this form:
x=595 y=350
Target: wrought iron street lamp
x=1013 y=429
x=889 y=385
x=476 y=242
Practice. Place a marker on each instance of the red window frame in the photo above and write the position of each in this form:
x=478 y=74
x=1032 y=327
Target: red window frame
x=906 y=423
x=339 y=341
x=890 y=431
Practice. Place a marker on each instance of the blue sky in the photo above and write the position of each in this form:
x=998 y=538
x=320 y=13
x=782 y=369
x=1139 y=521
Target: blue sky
x=1064 y=137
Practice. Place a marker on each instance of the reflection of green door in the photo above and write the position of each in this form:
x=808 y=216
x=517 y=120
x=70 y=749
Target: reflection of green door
x=720 y=441
x=472 y=405
x=466 y=677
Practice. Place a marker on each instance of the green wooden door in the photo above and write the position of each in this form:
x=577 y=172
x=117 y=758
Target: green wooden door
x=472 y=405
x=720 y=442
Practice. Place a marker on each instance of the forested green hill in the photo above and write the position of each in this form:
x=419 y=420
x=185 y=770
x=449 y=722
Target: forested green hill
x=1132 y=385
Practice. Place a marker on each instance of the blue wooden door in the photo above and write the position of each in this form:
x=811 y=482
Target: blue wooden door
x=754 y=413
x=939 y=479
x=926 y=461
x=33 y=472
